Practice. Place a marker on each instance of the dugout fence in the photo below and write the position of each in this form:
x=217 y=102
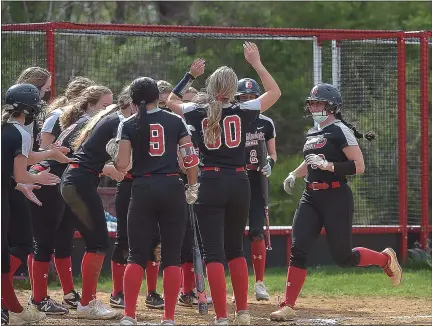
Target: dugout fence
x=383 y=77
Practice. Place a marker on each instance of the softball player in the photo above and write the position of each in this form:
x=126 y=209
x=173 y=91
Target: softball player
x=121 y=248
x=20 y=231
x=260 y=129
x=331 y=153
x=21 y=101
x=154 y=136
x=55 y=217
x=223 y=204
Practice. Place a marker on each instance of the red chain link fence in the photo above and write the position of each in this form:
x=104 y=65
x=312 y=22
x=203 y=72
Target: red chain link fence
x=383 y=77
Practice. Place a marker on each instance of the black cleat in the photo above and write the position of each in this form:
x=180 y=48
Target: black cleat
x=155 y=301
x=117 y=301
x=4 y=317
x=51 y=307
x=71 y=300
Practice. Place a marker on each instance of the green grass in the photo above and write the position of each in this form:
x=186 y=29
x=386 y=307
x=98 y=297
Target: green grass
x=322 y=281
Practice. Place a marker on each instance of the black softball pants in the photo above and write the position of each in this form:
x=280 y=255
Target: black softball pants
x=20 y=225
x=5 y=220
x=121 y=246
x=257 y=207
x=222 y=210
x=79 y=190
x=53 y=225
x=333 y=209
x=156 y=200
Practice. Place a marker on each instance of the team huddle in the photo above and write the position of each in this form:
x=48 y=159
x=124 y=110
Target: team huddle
x=190 y=169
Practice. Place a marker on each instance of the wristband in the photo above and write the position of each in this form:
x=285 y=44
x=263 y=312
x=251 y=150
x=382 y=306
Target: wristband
x=183 y=85
x=271 y=161
x=345 y=168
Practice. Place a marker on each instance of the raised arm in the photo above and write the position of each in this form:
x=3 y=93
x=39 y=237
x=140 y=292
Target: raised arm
x=272 y=91
x=174 y=101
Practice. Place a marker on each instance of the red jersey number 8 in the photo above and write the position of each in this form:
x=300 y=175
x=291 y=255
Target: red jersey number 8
x=231 y=130
x=157 y=140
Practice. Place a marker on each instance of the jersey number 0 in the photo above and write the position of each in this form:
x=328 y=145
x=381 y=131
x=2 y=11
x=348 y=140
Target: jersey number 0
x=231 y=130
x=157 y=140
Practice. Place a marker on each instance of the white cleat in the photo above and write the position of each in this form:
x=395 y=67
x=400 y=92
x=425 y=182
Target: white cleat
x=96 y=309
x=221 y=321
x=261 y=291
x=242 y=317
x=392 y=269
x=167 y=322
x=29 y=315
x=126 y=320
x=285 y=313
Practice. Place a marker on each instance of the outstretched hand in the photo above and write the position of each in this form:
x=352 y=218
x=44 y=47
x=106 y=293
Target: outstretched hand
x=197 y=67
x=251 y=53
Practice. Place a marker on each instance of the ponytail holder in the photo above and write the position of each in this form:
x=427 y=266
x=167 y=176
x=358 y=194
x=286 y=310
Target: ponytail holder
x=219 y=97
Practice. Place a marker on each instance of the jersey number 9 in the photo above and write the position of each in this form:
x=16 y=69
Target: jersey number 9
x=231 y=130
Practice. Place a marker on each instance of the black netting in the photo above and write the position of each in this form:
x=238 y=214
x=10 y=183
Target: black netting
x=370 y=94
x=20 y=50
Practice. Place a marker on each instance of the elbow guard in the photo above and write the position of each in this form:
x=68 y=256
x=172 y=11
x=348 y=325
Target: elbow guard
x=345 y=168
x=189 y=156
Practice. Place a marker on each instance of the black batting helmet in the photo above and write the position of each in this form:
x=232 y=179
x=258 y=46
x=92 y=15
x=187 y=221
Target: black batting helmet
x=325 y=93
x=23 y=98
x=248 y=86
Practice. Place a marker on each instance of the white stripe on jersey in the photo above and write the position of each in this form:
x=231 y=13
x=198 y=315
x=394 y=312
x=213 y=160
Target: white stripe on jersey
x=348 y=133
x=49 y=123
x=26 y=143
x=188 y=107
x=120 y=126
x=254 y=104
x=261 y=116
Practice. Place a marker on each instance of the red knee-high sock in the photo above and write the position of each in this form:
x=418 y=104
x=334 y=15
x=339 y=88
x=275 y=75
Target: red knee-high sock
x=171 y=287
x=40 y=277
x=295 y=280
x=369 y=257
x=15 y=263
x=91 y=266
x=152 y=272
x=259 y=259
x=64 y=271
x=8 y=294
x=117 y=271
x=239 y=279
x=30 y=260
x=188 y=277
x=216 y=279
x=133 y=276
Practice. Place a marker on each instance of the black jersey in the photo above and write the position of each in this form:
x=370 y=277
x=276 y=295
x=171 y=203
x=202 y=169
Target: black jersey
x=92 y=153
x=15 y=140
x=166 y=129
x=261 y=129
x=229 y=149
x=328 y=143
x=66 y=139
x=52 y=124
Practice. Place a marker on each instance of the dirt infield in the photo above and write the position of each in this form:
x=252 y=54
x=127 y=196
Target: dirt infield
x=311 y=311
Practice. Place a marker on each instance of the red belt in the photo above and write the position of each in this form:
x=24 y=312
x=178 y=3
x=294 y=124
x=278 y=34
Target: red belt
x=216 y=169
x=156 y=174
x=38 y=168
x=251 y=167
x=323 y=185
x=128 y=176
x=76 y=166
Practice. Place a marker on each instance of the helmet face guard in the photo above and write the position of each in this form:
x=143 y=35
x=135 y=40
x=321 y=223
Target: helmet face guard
x=324 y=93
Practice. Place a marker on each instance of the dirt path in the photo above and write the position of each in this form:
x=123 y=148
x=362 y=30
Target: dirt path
x=311 y=311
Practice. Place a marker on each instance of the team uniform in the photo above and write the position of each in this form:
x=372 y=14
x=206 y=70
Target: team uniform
x=261 y=129
x=53 y=224
x=79 y=190
x=158 y=198
x=222 y=207
x=121 y=249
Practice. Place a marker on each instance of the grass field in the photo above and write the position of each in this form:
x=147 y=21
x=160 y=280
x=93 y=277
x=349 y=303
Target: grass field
x=330 y=295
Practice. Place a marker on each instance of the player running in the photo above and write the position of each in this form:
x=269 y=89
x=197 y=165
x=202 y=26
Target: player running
x=331 y=153
x=223 y=204
x=158 y=197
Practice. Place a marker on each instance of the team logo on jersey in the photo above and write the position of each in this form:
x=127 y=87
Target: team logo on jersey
x=315 y=142
x=248 y=85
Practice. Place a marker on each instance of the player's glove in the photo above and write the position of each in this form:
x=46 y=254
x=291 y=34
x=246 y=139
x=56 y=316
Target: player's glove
x=316 y=161
x=112 y=149
x=266 y=170
x=192 y=193
x=289 y=183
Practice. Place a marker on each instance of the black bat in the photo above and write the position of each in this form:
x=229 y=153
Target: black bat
x=198 y=267
x=262 y=159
